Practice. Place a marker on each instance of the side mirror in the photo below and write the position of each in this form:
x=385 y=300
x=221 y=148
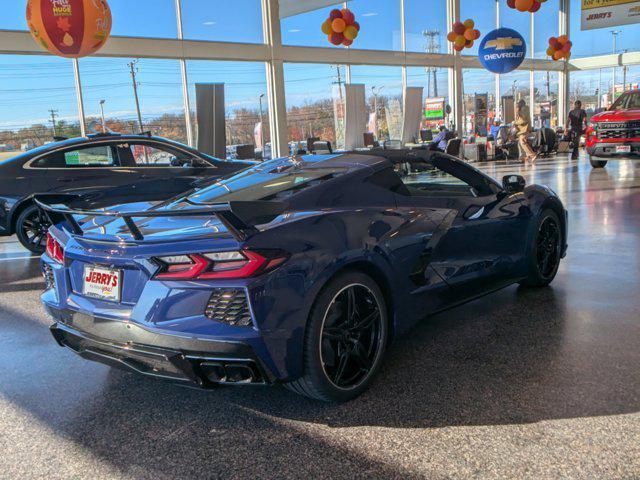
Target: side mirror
x=513 y=183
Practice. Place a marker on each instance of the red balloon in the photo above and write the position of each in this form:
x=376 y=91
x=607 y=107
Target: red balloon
x=459 y=28
x=348 y=16
x=347 y=43
x=511 y=3
x=357 y=25
x=536 y=7
x=335 y=13
x=336 y=38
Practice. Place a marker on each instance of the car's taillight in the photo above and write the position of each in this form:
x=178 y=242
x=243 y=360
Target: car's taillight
x=219 y=265
x=54 y=249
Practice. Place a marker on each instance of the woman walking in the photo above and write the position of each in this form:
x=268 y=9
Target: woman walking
x=523 y=129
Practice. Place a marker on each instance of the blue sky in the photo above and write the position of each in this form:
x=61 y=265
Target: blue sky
x=30 y=85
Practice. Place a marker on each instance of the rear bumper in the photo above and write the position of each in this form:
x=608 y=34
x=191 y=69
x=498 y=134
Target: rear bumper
x=182 y=359
x=608 y=150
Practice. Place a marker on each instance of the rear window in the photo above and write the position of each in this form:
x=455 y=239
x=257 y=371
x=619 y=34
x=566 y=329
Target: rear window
x=261 y=184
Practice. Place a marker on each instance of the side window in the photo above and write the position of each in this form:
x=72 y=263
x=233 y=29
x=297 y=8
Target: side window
x=101 y=156
x=423 y=178
x=53 y=160
x=151 y=156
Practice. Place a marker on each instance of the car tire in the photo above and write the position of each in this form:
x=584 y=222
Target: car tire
x=545 y=251
x=31 y=229
x=356 y=353
x=597 y=163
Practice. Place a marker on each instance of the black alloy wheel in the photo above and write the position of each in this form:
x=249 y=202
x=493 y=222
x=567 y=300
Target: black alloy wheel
x=345 y=339
x=545 y=251
x=548 y=248
x=31 y=229
x=351 y=336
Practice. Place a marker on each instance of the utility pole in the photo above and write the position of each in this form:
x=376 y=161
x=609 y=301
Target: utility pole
x=433 y=46
x=104 y=124
x=376 y=91
x=625 y=70
x=615 y=34
x=134 y=72
x=54 y=114
x=339 y=82
x=262 y=139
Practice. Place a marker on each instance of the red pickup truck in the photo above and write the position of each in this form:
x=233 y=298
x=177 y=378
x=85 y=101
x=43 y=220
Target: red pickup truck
x=615 y=133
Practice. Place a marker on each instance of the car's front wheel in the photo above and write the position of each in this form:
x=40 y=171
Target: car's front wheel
x=31 y=229
x=595 y=163
x=345 y=340
x=545 y=251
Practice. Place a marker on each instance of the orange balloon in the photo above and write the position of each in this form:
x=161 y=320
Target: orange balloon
x=457 y=48
x=476 y=34
x=558 y=55
x=563 y=39
x=470 y=24
x=338 y=25
x=71 y=29
x=452 y=36
x=469 y=35
x=524 y=5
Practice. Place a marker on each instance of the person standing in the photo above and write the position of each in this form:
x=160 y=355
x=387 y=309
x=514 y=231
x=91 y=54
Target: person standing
x=523 y=129
x=577 y=122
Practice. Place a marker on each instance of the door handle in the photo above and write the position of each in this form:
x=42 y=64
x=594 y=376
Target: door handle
x=64 y=180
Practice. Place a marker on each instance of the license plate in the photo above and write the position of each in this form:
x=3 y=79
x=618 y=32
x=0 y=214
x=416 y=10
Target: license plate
x=623 y=149
x=102 y=282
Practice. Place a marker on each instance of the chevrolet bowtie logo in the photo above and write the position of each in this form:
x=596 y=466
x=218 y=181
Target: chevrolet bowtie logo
x=503 y=43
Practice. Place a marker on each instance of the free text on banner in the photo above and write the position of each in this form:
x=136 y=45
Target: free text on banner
x=609 y=13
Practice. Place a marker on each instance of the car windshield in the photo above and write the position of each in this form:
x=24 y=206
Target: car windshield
x=630 y=101
x=267 y=181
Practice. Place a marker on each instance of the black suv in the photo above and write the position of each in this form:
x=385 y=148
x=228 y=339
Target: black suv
x=117 y=168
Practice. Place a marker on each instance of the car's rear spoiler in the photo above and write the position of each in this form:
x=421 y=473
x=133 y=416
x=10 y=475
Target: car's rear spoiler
x=239 y=217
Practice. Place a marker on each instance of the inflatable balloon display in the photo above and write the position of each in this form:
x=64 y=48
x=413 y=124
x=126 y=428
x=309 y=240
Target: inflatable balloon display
x=341 y=27
x=502 y=50
x=463 y=35
x=560 y=47
x=526 y=5
x=69 y=28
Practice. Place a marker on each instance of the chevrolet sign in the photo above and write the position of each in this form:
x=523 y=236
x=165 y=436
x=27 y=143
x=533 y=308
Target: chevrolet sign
x=502 y=50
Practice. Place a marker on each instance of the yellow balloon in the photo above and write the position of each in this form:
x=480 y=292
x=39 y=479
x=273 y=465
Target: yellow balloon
x=550 y=51
x=350 y=32
x=326 y=27
x=460 y=41
x=470 y=24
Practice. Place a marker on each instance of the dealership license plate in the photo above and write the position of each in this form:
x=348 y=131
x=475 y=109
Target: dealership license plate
x=623 y=149
x=101 y=282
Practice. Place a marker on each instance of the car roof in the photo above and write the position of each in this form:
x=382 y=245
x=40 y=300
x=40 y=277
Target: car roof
x=100 y=138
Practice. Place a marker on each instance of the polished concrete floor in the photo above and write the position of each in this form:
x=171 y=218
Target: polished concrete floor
x=520 y=384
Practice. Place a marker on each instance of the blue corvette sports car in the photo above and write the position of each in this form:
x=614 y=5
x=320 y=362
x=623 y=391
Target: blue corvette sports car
x=297 y=271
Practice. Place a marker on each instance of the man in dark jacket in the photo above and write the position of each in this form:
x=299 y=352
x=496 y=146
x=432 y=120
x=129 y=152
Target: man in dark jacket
x=577 y=122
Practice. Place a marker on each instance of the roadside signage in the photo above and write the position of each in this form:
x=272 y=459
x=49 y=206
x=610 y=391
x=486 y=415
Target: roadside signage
x=434 y=109
x=609 y=13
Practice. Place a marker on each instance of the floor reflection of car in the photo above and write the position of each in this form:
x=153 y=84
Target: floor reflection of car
x=122 y=168
x=298 y=270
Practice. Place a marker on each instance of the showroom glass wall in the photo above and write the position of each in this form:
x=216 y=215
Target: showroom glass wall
x=236 y=53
